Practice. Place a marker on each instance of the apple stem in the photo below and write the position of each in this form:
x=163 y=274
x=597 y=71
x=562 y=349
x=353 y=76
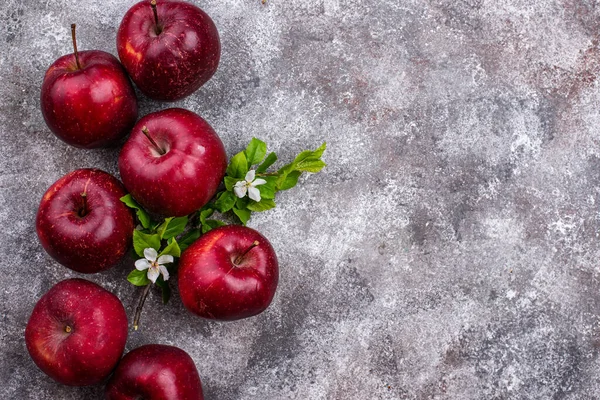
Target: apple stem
x=83 y=211
x=146 y=132
x=68 y=329
x=239 y=258
x=138 y=309
x=75 y=45
x=158 y=30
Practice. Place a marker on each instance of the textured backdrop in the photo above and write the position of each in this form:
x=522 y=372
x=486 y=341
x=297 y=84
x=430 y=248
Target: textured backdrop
x=448 y=251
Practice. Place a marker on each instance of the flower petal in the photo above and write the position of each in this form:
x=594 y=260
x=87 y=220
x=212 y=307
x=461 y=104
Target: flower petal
x=164 y=272
x=250 y=176
x=240 y=191
x=258 y=181
x=153 y=274
x=165 y=259
x=254 y=193
x=150 y=254
x=142 y=264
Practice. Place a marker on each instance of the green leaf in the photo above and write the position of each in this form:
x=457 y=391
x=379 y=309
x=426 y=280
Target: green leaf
x=286 y=169
x=306 y=161
x=212 y=224
x=208 y=224
x=215 y=223
x=129 y=201
x=138 y=278
x=142 y=215
x=172 y=249
x=163 y=227
x=143 y=241
x=267 y=191
x=241 y=203
x=311 y=153
x=205 y=213
x=310 y=165
x=270 y=160
x=190 y=237
x=172 y=227
x=225 y=201
x=144 y=218
x=238 y=166
x=230 y=182
x=165 y=289
x=255 y=152
x=243 y=215
x=154 y=226
x=262 y=205
x=290 y=180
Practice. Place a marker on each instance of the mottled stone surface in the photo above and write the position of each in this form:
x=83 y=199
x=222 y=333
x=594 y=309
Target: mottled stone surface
x=448 y=251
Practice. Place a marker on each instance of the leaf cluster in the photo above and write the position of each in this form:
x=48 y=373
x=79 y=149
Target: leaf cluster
x=175 y=234
x=286 y=177
x=162 y=237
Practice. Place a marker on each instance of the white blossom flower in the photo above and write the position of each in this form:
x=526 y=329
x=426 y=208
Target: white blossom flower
x=155 y=267
x=249 y=185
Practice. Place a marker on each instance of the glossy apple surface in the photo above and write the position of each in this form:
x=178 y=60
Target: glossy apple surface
x=180 y=175
x=77 y=332
x=82 y=223
x=155 y=372
x=229 y=273
x=172 y=59
x=91 y=107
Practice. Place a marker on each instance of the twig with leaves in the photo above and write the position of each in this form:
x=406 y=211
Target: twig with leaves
x=249 y=187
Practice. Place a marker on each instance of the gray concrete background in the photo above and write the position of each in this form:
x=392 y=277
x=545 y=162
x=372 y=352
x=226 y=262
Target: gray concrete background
x=448 y=251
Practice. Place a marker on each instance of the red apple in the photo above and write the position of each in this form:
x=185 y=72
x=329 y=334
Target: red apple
x=155 y=371
x=77 y=332
x=82 y=223
x=229 y=273
x=87 y=99
x=170 y=48
x=173 y=162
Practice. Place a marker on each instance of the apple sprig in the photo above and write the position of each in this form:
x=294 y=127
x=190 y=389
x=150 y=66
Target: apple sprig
x=249 y=189
x=248 y=186
x=155 y=242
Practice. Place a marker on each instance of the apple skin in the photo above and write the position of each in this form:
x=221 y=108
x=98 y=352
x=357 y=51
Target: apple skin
x=155 y=372
x=98 y=331
x=93 y=242
x=187 y=176
x=173 y=64
x=212 y=286
x=91 y=107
